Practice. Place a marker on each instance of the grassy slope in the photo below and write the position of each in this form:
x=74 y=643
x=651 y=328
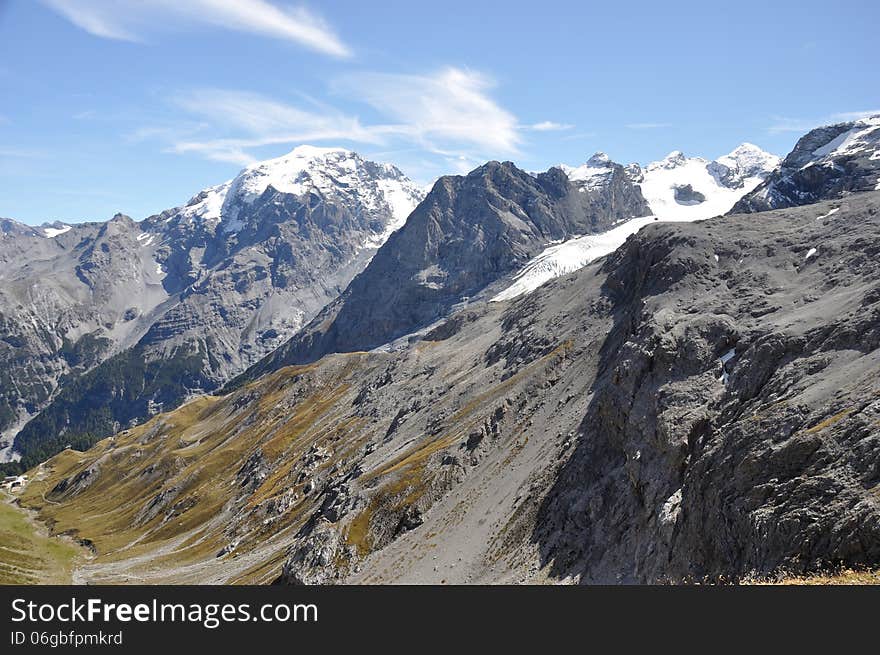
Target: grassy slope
x=27 y=555
x=198 y=448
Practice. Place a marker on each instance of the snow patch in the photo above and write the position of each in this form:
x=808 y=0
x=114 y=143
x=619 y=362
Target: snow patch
x=726 y=357
x=810 y=253
x=830 y=213
x=51 y=232
x=207 y=205
x=862 y=135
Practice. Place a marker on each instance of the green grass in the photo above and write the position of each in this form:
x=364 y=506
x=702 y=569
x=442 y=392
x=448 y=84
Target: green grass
x=26 y=555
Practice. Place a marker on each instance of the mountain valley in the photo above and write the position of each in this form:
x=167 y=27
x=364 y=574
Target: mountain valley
x=596 y=374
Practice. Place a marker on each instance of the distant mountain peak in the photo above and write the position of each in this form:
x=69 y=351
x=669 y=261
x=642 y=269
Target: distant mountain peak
x=599 y=158
x=826 y=163
x=594 y=173
x=331 y=172
x=679 y=187
x=674 y=159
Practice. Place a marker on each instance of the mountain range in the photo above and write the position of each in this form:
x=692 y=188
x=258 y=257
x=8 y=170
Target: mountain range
x=108 y=323
x=604 y=373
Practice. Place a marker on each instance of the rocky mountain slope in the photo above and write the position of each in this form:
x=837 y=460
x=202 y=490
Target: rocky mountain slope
x=826 y=163
x=470 y=232
x=701 y=404
x=114 y=321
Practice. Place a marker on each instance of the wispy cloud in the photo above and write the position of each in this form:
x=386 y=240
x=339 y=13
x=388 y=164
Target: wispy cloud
x=446 y=110
x=20 y=153
x=786 y=124
x=548 y=126
x=448 y=114
x=647 y=126
x=129 y=20
x=253 y=120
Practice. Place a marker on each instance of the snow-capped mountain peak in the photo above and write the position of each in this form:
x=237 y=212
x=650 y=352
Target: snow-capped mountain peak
x=592 y=174
x=826 y=162
x=334 y=173
x=295 y=173
x=692 y=188
x=599 y=159
x=674 y=159
x=743 y=162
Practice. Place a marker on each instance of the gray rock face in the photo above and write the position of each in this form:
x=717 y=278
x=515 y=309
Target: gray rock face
x=66 y=302
x=469 y=232
x=685 y=195
x=732 y=429
x=826 y=163
x=179 y=303
x=611 y=188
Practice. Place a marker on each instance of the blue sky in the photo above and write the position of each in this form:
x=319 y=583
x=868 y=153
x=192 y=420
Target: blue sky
x=135 y=105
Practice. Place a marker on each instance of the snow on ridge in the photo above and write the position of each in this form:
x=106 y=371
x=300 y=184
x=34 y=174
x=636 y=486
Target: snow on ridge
x=569 y=256
x=864 y=133
x=208 y=204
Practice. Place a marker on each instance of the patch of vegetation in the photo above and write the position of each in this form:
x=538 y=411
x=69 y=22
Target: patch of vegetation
x=828 y=422
x=842 y=577
x=85 y=352
x=28 y=557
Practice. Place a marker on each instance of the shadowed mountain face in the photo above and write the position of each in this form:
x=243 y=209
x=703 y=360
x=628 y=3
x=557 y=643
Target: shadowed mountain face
x=703 y=403
x=468 y=233
x=826 y=163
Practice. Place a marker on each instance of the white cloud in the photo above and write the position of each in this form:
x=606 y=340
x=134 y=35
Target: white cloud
x=448 y=114
x=445 y=111
x=647 y=126
x=255 y=120
x=128 y=19
x=549 y=126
